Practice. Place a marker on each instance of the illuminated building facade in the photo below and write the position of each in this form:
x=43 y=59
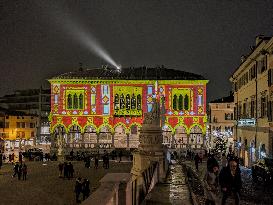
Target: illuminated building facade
x=252 y=85
x=104 y=107
x=221 y=120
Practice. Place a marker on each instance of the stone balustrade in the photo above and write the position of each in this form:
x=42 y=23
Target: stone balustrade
x=115 y=189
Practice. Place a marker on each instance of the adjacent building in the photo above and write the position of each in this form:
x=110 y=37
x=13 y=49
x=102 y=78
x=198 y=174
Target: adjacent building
x=18 y=129
x=253 y=97
x=105 y=107
x=221 y=121
x=34 y=102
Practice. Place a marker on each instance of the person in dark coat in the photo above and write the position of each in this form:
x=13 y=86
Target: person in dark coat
x=85 y=188
x=120 y=155
x=24 y=170
x=96 y=162
x=78 y=189
x=20 y=170
x=70 y=170
x=196 y=161
x=230 y=181
x=61 y=167
x=211 y=162
x=65 y=170
x=1 y=160
x=15 y=169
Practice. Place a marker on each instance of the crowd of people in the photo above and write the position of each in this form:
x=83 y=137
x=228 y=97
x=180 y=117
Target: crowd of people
x=20 y=170
x=224 y=178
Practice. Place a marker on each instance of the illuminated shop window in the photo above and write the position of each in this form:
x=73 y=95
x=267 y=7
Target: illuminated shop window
x=133 y=102
x=69 y=101
x=128 y=102
x=116 y=101
x=81 y=101
x=75 y=101
x=139 y=102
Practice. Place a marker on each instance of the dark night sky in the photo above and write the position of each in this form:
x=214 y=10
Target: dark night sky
x=205 y=37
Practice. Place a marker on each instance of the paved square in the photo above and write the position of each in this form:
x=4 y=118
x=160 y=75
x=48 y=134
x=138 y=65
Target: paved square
x=43 y=185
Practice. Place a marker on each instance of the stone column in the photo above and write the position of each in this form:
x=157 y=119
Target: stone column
x=172 y=140
x=113 y=139
x=98 y=139
x=127 y=137
x=203 y=136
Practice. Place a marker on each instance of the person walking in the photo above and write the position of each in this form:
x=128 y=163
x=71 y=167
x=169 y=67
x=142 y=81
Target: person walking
x=24 y=170
x=224 y=160
x=1 y=159
x=211 y=161
x=65 y=170
x=78 y=189
x=85 y=188
x=120 y=155
x=196 y=161
x=231 y=181
x=211 y=186
x=20 y=169
x=96 y=162
x=15 y=170
x=61 y=167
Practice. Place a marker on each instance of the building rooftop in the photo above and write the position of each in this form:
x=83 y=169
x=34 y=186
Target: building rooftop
x=227 y=99
x=131 y=73
x=4 y=111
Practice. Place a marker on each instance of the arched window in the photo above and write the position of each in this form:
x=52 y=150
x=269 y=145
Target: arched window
x=75 y=101
x=116 y=101
x=128 y=101
x=174 y=102
x=69 y=101
x=186 y=102
x=139 y=102
x=180 y=102
x=81 y=101
x=133 y=102
x=122 y=102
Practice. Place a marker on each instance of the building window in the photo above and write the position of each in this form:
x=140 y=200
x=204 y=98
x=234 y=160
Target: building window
x=7 y=117
x=122 y=102
x=116 y=102
x=174 y=102
x=23 y=125
x=17 y=124
x=180 y=102
x=228 y=105
x=69 y=101
x=263 y=107
x=186 y=102
x=6 y=124
x=128 y=100
x=32 y=134
x=55 y=99
x=75 y=101
x=200 y=100
x=81 y=101
x=133 y=102
x=252 y=108
x=139 y=102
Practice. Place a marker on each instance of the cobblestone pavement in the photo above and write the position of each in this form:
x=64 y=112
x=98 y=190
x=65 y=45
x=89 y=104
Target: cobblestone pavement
x=173 y=191
x=251 y=193
x=43 y=186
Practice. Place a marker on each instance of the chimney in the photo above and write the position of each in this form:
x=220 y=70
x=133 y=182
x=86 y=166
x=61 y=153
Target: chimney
x=259 y=38
x=243 y=58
